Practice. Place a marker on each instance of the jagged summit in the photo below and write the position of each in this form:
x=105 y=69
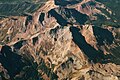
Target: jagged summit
x=59 y=40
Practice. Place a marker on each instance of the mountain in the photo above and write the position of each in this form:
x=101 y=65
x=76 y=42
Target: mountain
x=59 y=40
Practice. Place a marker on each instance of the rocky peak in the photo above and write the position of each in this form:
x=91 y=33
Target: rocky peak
x=59 y=39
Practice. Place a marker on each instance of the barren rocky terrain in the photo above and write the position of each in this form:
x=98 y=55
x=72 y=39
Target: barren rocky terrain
x=59 y=40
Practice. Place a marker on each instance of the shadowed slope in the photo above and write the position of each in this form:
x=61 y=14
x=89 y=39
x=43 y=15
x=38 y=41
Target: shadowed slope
x=103 y=35
x=89 y=51
x=11 y=61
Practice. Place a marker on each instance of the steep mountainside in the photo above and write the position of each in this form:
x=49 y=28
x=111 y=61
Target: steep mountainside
x=59 y=40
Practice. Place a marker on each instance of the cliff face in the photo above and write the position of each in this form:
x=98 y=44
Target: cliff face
x=59 y=39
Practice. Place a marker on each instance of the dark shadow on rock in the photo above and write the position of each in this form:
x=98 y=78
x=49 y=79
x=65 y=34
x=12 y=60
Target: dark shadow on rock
x=23 y=67
x=90 y=52
x=58 y=17
x=66 y=2
x=41 y=18
x=115 y=55
x=103 y=35
x=47 y=70
x=54 y=30
x=79 y=17
x=19 y=44
x=11 y=61
x=29 y=18
x=68 y=13
x=34 y=40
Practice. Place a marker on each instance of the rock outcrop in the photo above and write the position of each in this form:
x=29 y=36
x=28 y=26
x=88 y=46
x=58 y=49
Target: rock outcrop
x=60 y=41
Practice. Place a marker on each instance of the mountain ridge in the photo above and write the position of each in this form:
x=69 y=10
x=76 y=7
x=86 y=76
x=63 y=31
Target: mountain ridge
x=67 y=39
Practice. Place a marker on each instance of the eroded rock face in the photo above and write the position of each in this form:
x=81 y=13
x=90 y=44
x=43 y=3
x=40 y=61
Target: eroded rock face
x=58 y=42
x=3 y=73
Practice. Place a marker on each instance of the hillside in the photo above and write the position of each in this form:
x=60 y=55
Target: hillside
x=59 y=40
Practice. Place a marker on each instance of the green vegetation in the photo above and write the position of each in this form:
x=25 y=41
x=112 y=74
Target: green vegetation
x=18 y=7
x=113 y=5
x=13 y=1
